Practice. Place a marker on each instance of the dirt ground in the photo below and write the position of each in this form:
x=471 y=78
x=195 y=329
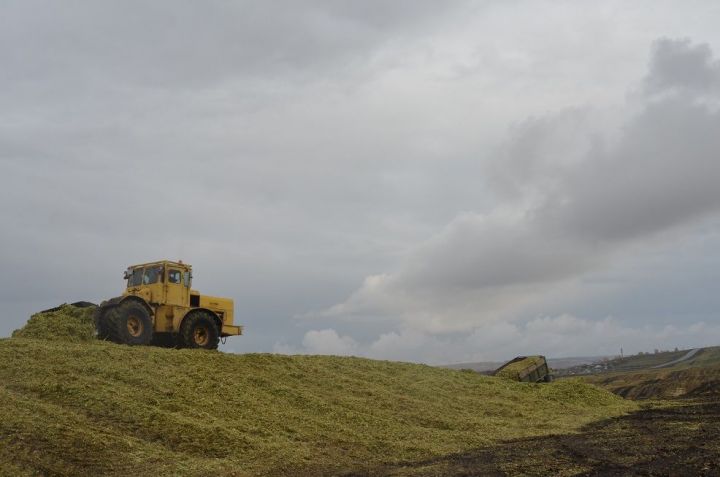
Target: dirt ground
x=679 y=438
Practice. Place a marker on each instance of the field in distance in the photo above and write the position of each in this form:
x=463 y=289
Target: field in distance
x=687 y=373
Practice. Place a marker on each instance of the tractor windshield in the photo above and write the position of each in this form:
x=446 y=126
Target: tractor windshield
x=144 y=275
x=153 y=275
x=134 y=277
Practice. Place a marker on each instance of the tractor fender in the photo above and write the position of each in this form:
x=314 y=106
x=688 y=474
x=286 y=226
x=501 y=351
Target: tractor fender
x=104 y=306
x=215 y=316
x=114 y=302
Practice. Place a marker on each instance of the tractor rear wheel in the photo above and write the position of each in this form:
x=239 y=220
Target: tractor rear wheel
x=199 y=330
x=130 y=323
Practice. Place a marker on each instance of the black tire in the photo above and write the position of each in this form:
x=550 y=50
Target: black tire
x=199 y=330
x=129 y=323
x=164 y=340
x=102 y=323
x=548 y=378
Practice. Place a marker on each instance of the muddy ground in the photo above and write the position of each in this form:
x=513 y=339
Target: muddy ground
x=680 y=438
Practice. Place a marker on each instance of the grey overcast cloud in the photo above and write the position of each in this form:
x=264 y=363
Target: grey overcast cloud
x=411 y=180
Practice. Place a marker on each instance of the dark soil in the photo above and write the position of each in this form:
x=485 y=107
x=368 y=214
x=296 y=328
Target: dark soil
x=670 y=439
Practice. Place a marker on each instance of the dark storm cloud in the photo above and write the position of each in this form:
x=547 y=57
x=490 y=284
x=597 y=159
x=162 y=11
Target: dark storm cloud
x=682 y=65
x=661 y=173
x=579 y=197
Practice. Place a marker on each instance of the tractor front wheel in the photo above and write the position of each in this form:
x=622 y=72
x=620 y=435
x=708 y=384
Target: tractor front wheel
x=130 y=323
x=199 y=330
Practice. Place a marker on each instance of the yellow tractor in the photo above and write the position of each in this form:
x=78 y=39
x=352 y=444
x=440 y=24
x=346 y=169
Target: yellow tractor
x=159 y=307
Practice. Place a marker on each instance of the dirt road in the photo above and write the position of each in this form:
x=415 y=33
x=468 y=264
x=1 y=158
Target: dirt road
x=684 y=357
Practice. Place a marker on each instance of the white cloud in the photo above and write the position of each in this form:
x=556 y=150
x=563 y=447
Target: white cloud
x=328 y=342
x=558 y=336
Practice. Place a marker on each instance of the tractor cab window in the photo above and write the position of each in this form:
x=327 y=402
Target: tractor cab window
x=152 y=275
x=135 y=277
x=188 y=279
x=175 y=276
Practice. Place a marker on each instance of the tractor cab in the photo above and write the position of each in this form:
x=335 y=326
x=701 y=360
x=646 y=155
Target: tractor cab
x=160 y=282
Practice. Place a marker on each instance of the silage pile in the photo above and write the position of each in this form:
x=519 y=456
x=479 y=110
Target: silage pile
x=66 y=323
x=74 y=405
x=97 y=408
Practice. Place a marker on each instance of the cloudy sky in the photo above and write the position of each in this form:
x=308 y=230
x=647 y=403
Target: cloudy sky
x=427 y=181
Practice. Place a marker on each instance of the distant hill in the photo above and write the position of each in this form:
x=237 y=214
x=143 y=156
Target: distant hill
x=478 y=366
x=641 y=361
x=664 y=375
x=555 y=363
x=77 y=406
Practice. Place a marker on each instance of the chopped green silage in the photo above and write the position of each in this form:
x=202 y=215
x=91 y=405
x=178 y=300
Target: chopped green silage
x=67 y=323
x=97 y=408
x=513 y=370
